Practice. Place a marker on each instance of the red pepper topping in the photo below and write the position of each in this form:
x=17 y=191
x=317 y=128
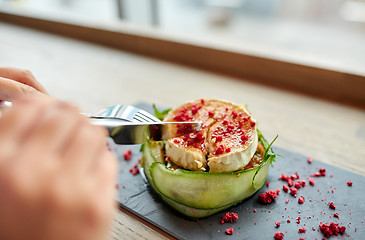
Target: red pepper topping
x=228 y=150
x=285 y=188
x=127 y=154
x=336 y=215
x=253 y=124
x=219 y=138
x=278 y=236
x=202 y=101
x=219 y=150
x=211 y=114
x=302 y=230
x=332 y=205
x=244 y=138
x=229 y=217
x=301 y=200
x=176 y=140
x=225 y=122
x=349 y=183
x=311 y=182
x=229 y=231
x=331 y=229
x=309 y=159
x=234 y=114
x=200 y=136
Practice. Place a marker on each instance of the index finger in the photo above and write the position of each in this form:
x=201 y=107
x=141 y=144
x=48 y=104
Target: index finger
x=22 y=76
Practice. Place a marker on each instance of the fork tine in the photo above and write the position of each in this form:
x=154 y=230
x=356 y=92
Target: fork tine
x=147 y=116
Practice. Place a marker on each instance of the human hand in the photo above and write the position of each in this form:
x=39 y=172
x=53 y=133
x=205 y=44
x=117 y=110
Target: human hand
x=57 y=179
x=17 y=82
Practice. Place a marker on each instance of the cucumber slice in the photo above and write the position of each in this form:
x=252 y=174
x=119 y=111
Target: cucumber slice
x=152 y=152
x=192 y=212
x=260 y=176
x=204 y=190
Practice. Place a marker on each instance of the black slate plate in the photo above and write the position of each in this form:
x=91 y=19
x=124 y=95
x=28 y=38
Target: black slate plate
x=135 y=195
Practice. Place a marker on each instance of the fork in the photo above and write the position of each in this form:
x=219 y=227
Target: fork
x=122 y=112
x=126 y=113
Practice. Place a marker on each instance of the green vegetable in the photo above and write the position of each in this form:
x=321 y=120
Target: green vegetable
x=201 y=194
x=160 y=115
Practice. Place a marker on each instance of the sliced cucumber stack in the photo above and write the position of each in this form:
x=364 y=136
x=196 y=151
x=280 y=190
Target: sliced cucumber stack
x=201 y=194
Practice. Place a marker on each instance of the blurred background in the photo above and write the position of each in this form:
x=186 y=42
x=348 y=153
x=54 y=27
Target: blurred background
x=324 y=33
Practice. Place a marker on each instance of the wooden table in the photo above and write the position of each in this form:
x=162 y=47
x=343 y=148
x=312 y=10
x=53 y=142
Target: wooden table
x=92 y=77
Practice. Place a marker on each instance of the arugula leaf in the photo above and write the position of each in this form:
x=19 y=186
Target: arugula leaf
x=268 y=155
x=160 y=115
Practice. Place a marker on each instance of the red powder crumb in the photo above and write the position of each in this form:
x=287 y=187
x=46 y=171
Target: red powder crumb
x=349 y=183
x=321 y=173
x=301 y=200
x=254 y=210
x=332 y=205
x=298 y=220
x=311 y=182
x=283 y=177
x=290 y=183
x=293 y=191
x=302 y=230
x=278 y=236
x=298 y=184
x=288 y=221
x=285 y=188
x=287 y=200
x=309 y=160
x=267 y=184
x=229 y=217
x=127 y=154
x=268 y=196
x=336 y=215
x=134 y=171
x=331 y=229
x=229 y=231
x=303 y=182
x=277 y=224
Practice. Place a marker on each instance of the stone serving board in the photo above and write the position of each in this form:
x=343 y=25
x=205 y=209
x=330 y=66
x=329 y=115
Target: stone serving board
x=136 y=196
